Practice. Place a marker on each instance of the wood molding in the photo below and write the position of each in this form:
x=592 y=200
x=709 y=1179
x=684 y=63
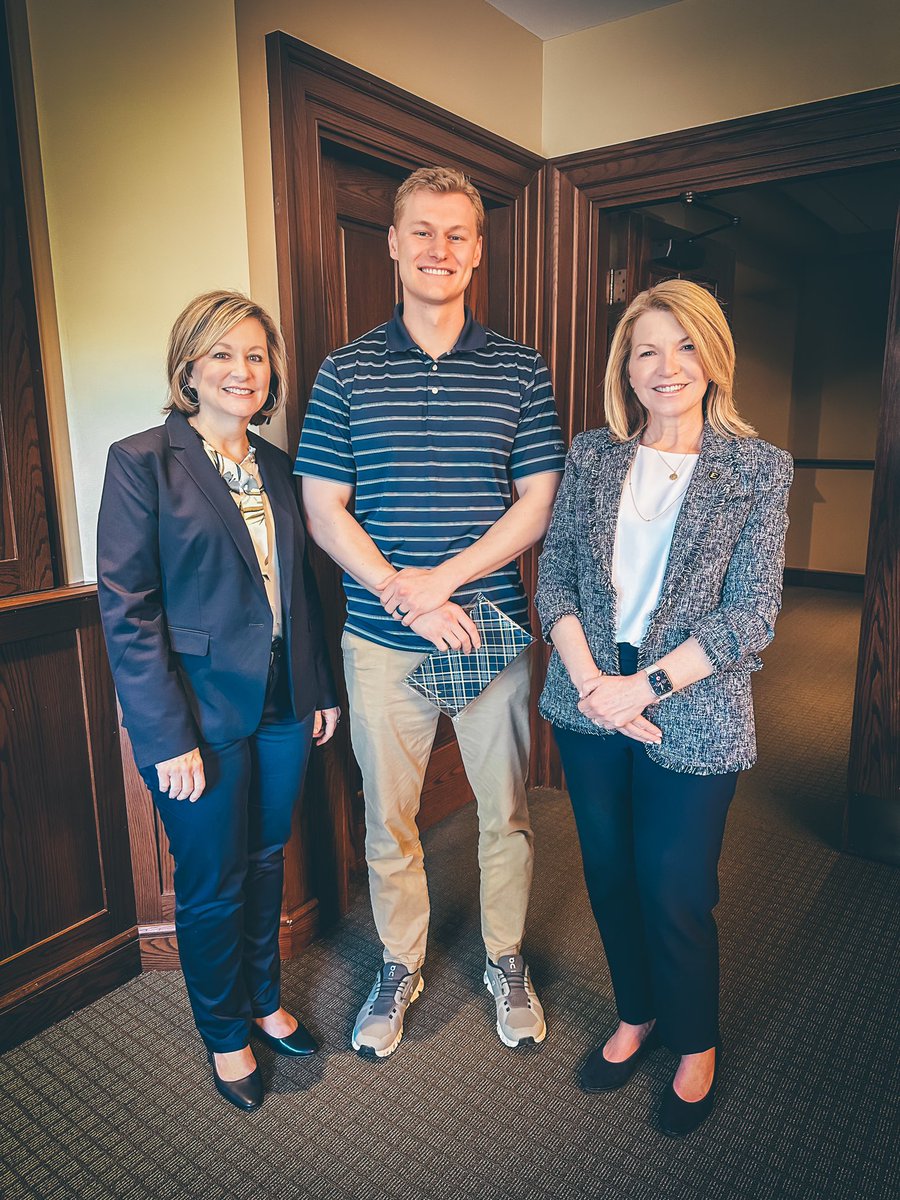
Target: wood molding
x=86 y=982
x=837 y=581
x=806 y=139
x=159 y=944
x=835 y=464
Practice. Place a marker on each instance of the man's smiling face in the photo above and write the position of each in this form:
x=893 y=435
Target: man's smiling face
x=437 y=246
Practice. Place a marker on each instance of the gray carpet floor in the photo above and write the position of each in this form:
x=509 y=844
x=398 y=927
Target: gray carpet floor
x=115 y=1102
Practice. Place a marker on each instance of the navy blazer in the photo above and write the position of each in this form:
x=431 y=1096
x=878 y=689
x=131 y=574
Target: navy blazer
x=187 y=621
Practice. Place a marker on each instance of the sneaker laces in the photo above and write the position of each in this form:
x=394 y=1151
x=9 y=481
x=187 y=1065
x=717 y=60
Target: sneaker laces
x=388 y=994
x=515 y=982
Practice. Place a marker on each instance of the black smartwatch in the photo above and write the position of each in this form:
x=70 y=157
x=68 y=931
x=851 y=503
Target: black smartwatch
x=660 y=682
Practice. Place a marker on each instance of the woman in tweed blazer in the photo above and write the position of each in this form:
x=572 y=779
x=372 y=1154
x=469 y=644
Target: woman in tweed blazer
x=659 y=582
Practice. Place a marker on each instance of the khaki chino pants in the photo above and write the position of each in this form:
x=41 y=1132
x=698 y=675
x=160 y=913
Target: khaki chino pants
x=392 y=730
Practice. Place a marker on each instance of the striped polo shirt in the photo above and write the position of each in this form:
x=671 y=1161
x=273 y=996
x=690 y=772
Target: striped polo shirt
x=431 y=447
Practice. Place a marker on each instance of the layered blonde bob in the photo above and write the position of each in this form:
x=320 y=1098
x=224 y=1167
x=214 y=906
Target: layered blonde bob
x=700 y=315
x=205 y=322
x=444 y=181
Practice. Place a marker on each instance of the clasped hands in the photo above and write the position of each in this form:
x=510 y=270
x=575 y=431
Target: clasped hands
x=618 y=702
x=419 y=597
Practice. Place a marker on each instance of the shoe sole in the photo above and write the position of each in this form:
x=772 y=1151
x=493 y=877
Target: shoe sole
x=534 y=1038
x=370 y=1051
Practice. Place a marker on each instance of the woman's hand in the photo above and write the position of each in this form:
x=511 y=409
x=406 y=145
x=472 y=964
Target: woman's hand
x=182 y=777
x=325 y=724
x=617 y=702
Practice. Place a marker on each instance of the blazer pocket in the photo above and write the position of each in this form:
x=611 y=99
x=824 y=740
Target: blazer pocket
x=188 y=641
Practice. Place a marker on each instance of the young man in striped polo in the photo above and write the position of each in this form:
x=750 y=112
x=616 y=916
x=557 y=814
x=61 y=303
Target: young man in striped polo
x=423 y=423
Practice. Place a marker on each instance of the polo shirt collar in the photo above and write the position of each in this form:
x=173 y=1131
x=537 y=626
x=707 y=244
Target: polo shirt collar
x=472 y=335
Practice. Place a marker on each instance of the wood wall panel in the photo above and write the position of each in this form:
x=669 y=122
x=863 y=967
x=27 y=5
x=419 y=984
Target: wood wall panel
x=67 y=925
x=47 y=826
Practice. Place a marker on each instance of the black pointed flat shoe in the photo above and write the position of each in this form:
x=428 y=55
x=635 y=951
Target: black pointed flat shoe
x=598 y=1074
x=296 y=1045
x=246 y=1094
x=677 y=1118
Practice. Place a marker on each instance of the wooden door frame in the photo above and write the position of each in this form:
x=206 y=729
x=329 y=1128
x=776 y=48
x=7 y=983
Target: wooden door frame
x=811 y=139
x=315 y=98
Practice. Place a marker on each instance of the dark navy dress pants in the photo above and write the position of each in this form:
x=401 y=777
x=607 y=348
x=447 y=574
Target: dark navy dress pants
x=228 y=848
x=650 y=841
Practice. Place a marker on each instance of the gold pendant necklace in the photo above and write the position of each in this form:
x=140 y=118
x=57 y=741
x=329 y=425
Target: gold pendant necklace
x=668 y=465
x=656 y=516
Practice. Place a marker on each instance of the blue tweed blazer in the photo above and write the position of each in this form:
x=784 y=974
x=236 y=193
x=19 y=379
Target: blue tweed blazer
x=722 y=585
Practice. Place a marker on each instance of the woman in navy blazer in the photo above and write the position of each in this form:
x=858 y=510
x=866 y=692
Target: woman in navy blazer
x=214 y=633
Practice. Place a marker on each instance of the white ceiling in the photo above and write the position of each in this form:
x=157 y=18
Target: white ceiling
x=554 y=18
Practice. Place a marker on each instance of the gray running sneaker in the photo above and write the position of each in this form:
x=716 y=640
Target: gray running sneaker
x=379 y=1026
x=520 y=1017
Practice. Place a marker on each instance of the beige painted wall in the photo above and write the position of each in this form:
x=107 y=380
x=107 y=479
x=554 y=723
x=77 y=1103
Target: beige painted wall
x=702 y=61
x=473 y=61
x=139 y=123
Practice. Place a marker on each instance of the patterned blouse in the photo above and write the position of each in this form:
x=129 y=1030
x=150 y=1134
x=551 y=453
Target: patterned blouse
x=247 y=491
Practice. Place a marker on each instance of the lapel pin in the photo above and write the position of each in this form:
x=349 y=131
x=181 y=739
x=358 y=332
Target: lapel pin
x=714 y=474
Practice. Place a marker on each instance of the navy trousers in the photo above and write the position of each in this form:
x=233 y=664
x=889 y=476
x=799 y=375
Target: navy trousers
x=650 y=842
x=229 y=874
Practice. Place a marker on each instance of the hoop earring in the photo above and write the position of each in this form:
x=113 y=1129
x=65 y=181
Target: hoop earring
x=189 y=393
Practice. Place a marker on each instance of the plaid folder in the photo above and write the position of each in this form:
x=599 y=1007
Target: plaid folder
x=451 y=679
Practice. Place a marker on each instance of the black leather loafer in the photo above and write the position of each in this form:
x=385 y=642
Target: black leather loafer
x=678 y=1118
x=296 y=1045
x=598 y=1074
x=247 y=1093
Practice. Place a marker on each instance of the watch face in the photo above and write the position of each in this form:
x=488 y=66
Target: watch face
x=660 y=682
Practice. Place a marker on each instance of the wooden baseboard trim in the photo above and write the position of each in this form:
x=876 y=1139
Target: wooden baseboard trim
x=872 y=828
x=61 y=996
x=836 y=581
x=298 y=928
x=159 y=945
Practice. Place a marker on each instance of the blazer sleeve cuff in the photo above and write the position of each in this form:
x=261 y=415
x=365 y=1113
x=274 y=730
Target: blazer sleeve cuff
x=553 y=610
x=717 y=640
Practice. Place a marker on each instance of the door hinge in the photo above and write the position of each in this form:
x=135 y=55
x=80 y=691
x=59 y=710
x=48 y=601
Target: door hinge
x=617 y=285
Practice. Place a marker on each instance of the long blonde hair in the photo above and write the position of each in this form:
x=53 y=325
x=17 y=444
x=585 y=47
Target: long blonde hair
x=700 y=315
x=203 y=323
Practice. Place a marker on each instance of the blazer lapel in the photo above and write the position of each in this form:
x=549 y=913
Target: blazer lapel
x=187 y=447
x=712 y=483
x=282 y=498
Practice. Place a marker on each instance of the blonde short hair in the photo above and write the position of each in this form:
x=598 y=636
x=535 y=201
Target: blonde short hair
x=203 y=323
x=445 y=181
x=701 y=316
